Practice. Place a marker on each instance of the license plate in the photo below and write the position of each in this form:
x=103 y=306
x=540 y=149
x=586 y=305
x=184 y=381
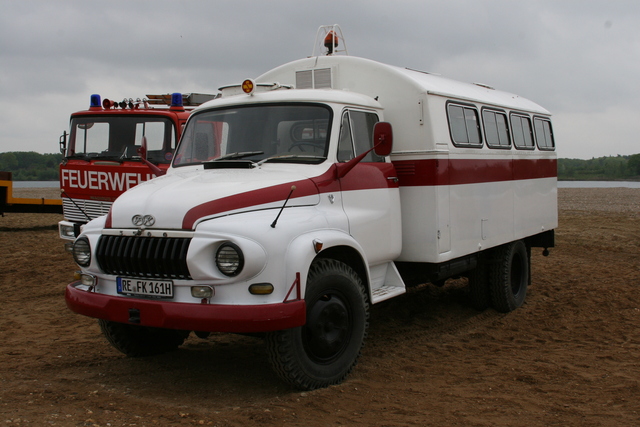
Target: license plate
x=145 y=287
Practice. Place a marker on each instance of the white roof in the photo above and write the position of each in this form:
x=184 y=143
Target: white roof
x=298 y=95
x=365 y=76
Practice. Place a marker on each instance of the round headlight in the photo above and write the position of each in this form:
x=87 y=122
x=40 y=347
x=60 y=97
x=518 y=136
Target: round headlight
x=229 y=259
x=82 y=252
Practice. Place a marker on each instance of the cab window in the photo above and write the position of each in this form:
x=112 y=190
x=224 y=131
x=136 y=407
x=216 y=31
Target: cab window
x=356 y=136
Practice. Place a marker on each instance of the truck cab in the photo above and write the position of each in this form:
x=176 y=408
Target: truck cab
x=101 y=151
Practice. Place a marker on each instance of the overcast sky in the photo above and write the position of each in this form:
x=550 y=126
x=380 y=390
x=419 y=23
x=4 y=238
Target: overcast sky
x=580 y=59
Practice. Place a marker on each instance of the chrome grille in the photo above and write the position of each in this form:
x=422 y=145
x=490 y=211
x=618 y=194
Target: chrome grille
x=152 y=257
x=73 y=209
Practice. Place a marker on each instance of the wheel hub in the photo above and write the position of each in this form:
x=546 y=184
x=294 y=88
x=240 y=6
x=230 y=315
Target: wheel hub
x=327 y=328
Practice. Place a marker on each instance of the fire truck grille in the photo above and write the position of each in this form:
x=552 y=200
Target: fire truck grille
x=79 y=210
x=152 y=257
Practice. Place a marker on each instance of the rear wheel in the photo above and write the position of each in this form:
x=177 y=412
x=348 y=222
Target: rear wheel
x=509 y=276
x=138 y=341
x=325 y=350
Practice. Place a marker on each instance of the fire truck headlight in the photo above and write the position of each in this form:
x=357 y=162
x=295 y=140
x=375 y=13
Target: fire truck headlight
x=229 y=259
x=67 y=232
x=82 y=252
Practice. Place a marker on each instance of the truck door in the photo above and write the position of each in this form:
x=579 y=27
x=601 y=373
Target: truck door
x=370 y=194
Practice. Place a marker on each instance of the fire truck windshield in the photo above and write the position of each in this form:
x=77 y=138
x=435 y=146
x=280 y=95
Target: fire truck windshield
x=119 y=137
x=293 y=133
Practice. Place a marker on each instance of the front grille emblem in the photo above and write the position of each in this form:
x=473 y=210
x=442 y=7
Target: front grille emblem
x=143 y=221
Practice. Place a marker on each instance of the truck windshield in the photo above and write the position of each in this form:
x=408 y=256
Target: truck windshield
x=119 y=137
x=293 y=133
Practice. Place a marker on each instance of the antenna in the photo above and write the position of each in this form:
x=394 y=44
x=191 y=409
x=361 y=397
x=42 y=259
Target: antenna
x=64 y=193
x=273 y=224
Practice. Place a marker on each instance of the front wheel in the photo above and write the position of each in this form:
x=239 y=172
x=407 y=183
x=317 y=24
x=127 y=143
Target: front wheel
x=510 y=276
x=138 y=341
x=325 y=350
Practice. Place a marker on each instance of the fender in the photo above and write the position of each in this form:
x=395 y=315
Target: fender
x=300 y=254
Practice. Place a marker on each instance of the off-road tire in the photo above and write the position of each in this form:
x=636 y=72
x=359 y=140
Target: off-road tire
x=325 y=350
x=139 y=341
x=509 y=276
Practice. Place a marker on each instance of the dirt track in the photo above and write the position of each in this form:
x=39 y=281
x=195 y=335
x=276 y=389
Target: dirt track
x=570 y=356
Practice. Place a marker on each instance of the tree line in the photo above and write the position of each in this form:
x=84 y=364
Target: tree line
x=600 y=168
x=32 y=166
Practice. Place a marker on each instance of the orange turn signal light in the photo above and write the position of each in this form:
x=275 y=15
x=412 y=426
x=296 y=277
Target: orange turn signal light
x=261 y=289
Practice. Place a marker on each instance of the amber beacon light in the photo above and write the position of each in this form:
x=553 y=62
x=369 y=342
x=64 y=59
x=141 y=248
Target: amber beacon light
x=248 y=86
x=331 y=42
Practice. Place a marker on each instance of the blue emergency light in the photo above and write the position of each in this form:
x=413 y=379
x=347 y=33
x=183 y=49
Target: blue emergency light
x=95 y=101
x=176 y=99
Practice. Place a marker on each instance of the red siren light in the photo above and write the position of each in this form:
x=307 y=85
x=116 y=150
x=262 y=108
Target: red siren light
x=331 y=41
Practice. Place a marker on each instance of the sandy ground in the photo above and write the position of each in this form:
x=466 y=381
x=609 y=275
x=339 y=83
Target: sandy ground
x=569 y=357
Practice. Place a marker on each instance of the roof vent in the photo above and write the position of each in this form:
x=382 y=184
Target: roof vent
x=484 y=85
x=314 y=79
x=304 y=79
x=322 y=78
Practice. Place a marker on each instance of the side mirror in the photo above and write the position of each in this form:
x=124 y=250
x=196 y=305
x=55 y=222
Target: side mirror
x=382 y=139
x=143 y=156
x=382 y=145
x=142 y=150
x=63 y=142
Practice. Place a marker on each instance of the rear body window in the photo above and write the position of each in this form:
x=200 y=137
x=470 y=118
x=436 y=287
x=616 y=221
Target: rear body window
x=496 y=129
x=522 y=132
x=464 y=125
x=544 y=134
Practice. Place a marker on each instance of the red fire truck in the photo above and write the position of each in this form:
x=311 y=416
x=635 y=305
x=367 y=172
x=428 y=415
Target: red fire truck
x=102 y=151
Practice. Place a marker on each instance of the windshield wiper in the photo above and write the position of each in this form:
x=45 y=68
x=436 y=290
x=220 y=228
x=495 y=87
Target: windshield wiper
x=92 y=156
x=77 y=156
x=295 y=157
x=95 y=156
x=238 y=155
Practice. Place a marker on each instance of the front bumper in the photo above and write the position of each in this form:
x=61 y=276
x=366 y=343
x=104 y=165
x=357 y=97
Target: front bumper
x=191 y=317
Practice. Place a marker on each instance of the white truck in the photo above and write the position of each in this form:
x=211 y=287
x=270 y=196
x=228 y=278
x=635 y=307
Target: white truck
x=297 y=200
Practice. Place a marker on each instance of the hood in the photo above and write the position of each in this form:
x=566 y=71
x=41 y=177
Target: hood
x=180 y=200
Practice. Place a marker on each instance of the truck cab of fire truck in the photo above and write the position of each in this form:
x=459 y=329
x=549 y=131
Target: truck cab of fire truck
x=101 y=151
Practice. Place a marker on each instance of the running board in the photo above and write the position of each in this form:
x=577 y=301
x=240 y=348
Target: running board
x=385 y=282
